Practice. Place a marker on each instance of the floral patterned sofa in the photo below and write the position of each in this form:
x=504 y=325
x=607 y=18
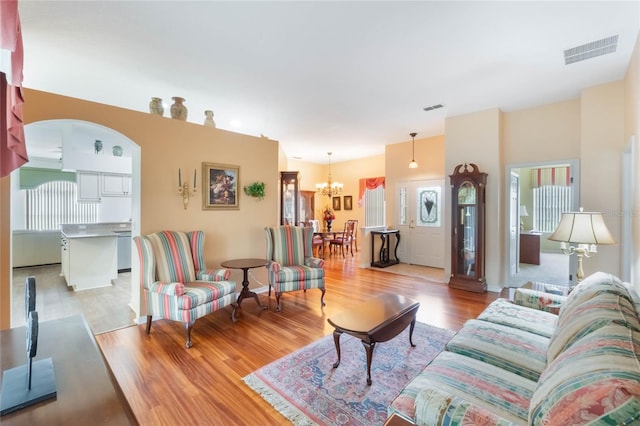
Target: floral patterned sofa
x=518 y=365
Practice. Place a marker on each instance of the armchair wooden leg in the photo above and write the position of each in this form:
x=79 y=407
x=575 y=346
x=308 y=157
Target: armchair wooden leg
x=278 y=301
x=148 y=324
x=322 y=297
x=188 y=326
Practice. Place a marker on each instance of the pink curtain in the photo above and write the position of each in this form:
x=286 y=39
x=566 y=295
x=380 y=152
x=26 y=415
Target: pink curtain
x=13 y=150
x=369 y=183
x=558 y=176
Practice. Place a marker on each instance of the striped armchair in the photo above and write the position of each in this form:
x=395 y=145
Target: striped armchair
x=177 y=284
x=291 y=264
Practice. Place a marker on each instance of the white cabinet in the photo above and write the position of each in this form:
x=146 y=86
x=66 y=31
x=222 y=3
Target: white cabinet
x=90 y=262
x=116 y=185
x=88 y=186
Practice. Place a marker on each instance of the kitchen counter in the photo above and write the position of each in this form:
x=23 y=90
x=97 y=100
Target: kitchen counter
x=90 y=253
x=82 y=230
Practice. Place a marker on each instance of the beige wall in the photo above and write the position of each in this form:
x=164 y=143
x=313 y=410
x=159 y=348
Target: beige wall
x=476 y=138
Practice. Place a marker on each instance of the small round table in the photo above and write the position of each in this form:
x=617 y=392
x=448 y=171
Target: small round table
x=245 y=265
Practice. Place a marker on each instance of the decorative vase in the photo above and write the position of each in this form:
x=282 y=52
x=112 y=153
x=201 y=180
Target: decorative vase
x=156 y=107
x=117 y=151
x=329 y=225
x=208 y=121
x=178 y=110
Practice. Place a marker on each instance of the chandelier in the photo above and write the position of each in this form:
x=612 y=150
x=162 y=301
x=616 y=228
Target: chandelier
x=329 y=188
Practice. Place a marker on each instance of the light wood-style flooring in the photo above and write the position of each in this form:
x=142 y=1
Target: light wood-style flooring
x=166 y=384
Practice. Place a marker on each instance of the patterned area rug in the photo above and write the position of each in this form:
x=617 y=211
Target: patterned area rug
x=305 y=388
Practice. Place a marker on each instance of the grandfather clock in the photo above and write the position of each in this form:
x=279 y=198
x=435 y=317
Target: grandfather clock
x=467 y=228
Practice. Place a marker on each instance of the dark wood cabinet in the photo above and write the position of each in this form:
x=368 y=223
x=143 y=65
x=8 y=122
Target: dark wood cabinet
x=530 y=248
x=468 y=228
x=289 y=198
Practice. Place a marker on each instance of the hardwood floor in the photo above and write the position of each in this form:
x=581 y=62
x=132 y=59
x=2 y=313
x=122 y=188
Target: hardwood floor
x=168 y=384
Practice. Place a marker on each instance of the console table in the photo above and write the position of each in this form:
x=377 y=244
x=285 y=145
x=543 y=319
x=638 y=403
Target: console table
x=384 y=254
x=87 y=391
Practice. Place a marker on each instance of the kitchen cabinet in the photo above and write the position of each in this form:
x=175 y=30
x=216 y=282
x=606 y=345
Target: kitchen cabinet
x=88 y=186
x=116 y=185
x=89 y=261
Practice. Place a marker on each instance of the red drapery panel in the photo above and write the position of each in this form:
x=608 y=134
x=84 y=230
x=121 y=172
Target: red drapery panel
x=13 y=150
x=369 y=183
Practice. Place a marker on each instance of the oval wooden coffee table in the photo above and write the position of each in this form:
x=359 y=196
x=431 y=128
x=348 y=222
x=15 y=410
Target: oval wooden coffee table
x=375 y=320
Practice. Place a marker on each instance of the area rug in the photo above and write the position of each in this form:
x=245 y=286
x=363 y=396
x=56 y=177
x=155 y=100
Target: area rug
x=305 y=388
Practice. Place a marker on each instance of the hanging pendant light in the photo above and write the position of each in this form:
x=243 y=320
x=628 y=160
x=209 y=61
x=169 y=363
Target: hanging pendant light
x=329 y=188
x=413 y=164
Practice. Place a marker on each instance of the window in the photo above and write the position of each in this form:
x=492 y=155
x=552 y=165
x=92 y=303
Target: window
x=549 y=202
x=374 y=206
x=53 y=203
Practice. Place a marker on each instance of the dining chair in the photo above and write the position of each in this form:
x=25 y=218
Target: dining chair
x=344 y=239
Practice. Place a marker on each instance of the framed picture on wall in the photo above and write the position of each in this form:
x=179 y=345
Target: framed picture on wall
x=336 y=203
x=220 y=186
x=347 y=202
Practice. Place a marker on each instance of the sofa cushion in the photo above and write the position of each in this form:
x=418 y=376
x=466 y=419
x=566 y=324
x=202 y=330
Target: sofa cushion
x=595 y=379
x=481 y=384
x=434 y=407
x=502 y=311
x=593 y=285
x=578 y=320
x=512 y=349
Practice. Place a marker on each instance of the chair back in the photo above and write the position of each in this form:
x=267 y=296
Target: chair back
x=315 y=224
x=355 y=226
x=173 y=255
x=289 y=245
x=349 y=230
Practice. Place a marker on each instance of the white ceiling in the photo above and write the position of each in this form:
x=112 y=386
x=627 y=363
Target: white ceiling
x=346 y=77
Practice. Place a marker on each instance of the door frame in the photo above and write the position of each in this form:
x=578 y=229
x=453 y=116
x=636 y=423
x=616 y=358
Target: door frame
x=574 y=164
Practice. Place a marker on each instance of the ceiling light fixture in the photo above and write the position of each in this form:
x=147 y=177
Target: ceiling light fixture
x=413 y=164
x=329 y=188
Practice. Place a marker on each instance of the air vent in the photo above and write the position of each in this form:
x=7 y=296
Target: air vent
x=591 y=50
x=432 y=107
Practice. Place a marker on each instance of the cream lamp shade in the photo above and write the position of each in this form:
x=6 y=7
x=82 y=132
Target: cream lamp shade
x=582 y=228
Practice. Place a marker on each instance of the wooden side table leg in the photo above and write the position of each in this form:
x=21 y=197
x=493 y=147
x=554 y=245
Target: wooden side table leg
x=368 y=347
x=336 y=341
x=411 y=326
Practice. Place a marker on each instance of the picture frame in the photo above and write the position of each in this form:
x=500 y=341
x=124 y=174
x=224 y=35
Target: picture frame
x=336 y=203
x=348 y=200
x=220 y=183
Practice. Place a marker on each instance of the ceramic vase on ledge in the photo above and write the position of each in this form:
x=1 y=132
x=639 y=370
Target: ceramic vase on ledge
x=156 y=107
x=178 y=110
x=208 y=121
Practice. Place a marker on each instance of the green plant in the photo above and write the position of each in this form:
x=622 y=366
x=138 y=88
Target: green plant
x=256 y=189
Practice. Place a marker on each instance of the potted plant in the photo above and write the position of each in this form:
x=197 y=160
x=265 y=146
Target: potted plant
x=256 y=189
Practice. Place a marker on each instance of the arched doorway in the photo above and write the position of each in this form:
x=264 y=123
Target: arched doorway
x=71 y=146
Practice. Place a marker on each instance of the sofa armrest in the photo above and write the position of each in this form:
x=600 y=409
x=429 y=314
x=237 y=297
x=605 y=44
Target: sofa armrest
x=314 y=262
x=213 y=274
x=171 y=289
x=435 y=407
x=539 y=300
x=273 y=266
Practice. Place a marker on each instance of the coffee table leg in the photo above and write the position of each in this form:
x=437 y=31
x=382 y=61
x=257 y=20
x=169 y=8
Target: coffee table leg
x=413 y=324
x=368 y=347
x=336 y=340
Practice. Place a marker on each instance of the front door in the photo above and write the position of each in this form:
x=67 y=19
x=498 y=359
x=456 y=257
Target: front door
x=420 y=222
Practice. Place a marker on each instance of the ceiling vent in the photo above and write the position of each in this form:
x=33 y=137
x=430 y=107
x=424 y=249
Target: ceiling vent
x=432 y=107
x=591 y=50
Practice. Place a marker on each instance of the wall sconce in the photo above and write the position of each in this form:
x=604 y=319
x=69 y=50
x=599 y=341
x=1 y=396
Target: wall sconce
x=183 y=188
x=586 y=230
x=413 y=164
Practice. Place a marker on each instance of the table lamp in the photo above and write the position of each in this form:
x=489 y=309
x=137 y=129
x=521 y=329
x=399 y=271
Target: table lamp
x=585 y=230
